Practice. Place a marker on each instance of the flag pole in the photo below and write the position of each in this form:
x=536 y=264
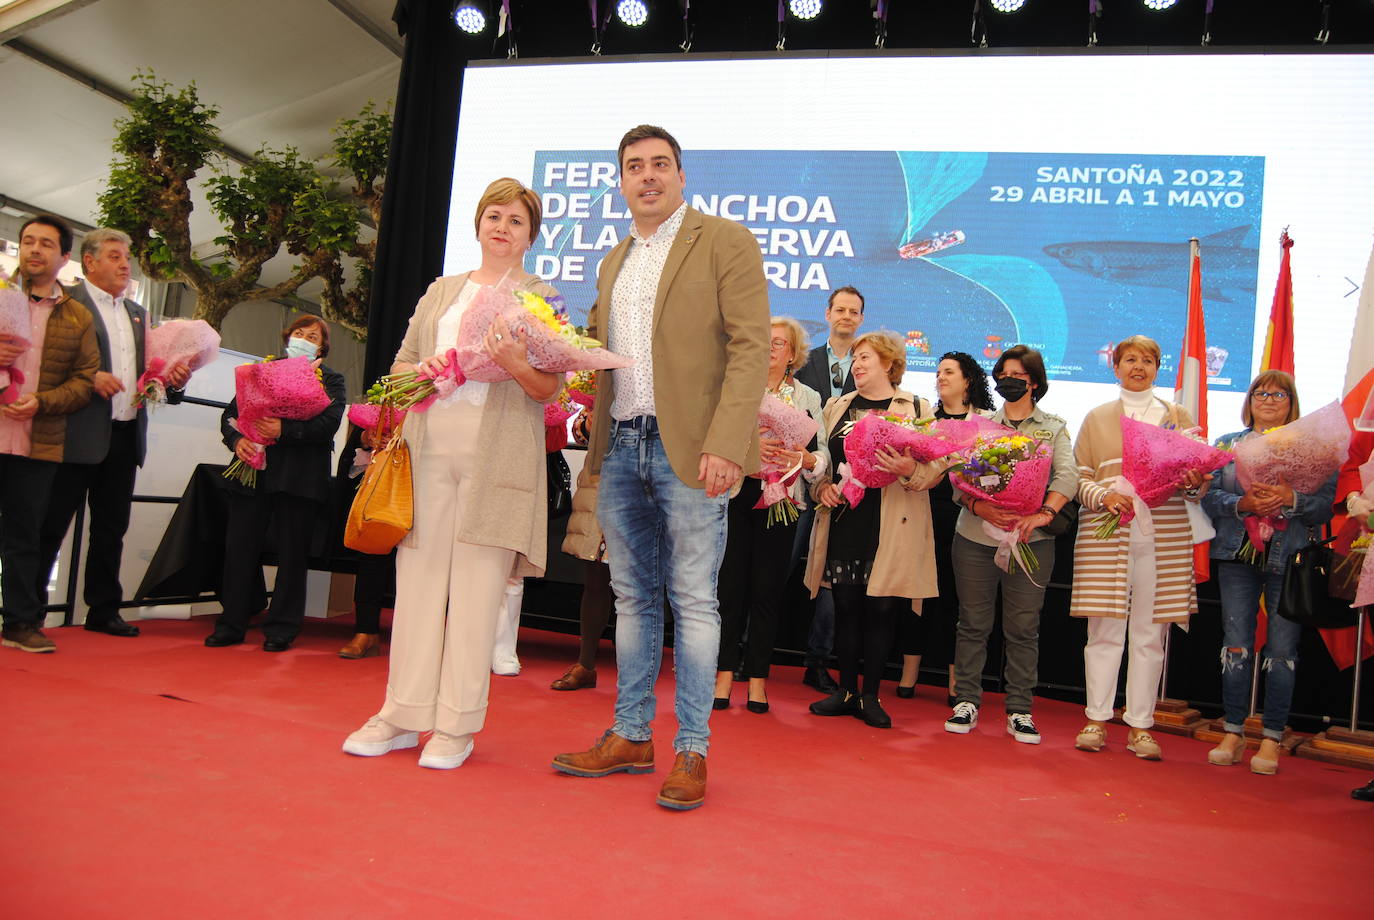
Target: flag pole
x=1190 y=391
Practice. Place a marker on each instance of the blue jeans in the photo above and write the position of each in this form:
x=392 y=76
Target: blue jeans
x=661 y=534
x=1240 y=585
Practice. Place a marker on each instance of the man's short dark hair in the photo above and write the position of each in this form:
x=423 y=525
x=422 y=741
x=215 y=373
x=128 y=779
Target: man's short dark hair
x=643 y=133
x=64 y=232
x=847 y=289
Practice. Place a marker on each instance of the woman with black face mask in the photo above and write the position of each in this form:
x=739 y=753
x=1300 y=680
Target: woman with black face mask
x=1021 y=382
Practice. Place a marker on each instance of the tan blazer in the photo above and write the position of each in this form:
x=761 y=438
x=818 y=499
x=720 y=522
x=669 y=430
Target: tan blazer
x=904 y=565
x=710 y=346
x=506 y=505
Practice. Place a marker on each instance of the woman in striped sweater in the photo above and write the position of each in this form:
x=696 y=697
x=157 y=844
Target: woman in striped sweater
x=1130 y=584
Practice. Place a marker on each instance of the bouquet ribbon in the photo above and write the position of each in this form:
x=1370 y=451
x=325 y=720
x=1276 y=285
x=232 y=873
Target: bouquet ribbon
x=777 y=486
x=1145 y=521
x=851 y=487
x=1006 y=541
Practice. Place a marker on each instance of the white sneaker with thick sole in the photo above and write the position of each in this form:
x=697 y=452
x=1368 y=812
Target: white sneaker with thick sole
x=507 y=666
x=378 y=737
x=964 y=719
x=445 y=752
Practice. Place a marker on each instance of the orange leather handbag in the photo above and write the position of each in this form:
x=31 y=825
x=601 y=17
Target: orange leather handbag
x=384 y=507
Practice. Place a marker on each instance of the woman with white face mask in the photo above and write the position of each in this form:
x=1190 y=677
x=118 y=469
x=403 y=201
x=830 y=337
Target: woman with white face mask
x=289 y=495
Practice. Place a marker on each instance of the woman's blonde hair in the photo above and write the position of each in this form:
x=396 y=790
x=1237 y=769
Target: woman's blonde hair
x=1281 y=379
x=796 y=337
x=505 y=191
x=1141 y=343
x=887 y=347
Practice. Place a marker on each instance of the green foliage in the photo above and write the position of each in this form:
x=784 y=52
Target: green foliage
x=277 y=200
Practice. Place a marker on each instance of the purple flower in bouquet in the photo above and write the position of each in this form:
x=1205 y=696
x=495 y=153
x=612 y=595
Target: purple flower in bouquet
x=1011 y=472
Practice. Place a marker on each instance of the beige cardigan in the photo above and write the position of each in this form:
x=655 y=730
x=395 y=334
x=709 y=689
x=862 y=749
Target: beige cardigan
x=1099 y=566
x=507 y=505
x=904 y=565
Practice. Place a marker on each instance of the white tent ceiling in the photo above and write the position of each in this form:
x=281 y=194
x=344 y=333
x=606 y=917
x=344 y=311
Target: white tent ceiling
x=282 y=72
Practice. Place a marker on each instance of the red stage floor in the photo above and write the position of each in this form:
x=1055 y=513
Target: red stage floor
x=154 y=777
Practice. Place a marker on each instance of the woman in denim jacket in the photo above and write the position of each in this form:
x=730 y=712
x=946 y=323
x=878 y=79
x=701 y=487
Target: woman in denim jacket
x=1271 y=401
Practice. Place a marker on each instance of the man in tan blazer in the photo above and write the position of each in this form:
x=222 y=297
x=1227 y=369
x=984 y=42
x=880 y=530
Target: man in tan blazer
x=685 y=296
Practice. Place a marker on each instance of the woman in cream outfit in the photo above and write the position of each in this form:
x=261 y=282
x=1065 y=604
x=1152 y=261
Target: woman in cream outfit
x=1132 y=584
x=479 y=487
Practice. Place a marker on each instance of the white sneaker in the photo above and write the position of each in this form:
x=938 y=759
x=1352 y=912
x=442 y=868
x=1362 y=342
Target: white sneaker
x=1022 y=728
x=377 y=737
x=964 y=719
x=444 y=751
x=505 y=665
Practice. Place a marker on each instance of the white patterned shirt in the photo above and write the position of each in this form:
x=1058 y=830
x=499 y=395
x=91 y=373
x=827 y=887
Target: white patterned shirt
x=631 y=326
x=123 y=350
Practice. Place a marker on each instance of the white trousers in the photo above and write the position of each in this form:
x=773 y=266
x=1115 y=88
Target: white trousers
x=1107 y=637
x=447 y=593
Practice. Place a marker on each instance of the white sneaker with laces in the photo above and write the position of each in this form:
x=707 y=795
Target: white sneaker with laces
x=964 y=719
x=377 y=737
x=445 y=752
x=1022 y=728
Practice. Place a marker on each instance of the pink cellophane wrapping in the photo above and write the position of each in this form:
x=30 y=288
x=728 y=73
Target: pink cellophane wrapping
x=1024 y=492
x=447 y=379
x=582 y=388
x=937 y=439
x=1304 y=453
x=544 y=349
x=15 y=325
x=369 y=415
x=286 y=389
x=795 y=428
x=193 y=342
x=1154 y=459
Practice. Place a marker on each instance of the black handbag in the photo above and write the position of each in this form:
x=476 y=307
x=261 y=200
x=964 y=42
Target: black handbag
x=1066 y=518
x=560 y=485
x=1306 y=597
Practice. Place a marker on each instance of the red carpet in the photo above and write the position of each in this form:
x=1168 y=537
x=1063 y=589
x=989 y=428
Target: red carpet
x=154 y=777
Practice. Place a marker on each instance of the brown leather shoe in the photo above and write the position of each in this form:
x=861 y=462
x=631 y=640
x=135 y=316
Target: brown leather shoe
x=577 y=678
x=363 y=645
x=685 y=787
x=610 y=754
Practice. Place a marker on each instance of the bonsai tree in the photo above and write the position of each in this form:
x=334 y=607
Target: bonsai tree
x=276 y=199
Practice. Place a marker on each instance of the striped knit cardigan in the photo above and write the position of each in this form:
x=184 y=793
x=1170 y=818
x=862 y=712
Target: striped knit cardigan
x=1099 y=566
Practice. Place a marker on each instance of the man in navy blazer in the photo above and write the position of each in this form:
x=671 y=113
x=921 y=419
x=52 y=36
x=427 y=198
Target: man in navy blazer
x=107 y=440
x=827 y=372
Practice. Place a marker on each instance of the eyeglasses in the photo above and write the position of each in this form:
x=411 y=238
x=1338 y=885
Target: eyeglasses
x=779 y=343
x=1275 y=395
x=836 y=375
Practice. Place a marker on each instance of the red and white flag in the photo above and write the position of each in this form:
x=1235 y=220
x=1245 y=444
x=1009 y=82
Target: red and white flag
x=1190 y=388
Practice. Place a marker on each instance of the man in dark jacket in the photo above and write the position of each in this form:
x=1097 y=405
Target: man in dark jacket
x=827 y=372
x=58 y=367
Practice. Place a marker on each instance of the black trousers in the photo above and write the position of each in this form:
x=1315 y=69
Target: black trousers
x=595 y=611
x=751 y=581
x=374 y=587
x=863 y=629
x=25 y=486
x=244 y=589
x=107 y=488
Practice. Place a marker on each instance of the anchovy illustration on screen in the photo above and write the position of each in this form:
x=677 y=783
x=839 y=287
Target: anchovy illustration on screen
x=1226 y=262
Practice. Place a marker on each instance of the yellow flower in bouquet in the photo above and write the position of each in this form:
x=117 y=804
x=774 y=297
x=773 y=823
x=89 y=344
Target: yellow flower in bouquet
x=554 y=321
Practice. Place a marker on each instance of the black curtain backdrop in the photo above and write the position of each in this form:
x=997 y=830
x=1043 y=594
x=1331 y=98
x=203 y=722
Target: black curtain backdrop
x=410 y=241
